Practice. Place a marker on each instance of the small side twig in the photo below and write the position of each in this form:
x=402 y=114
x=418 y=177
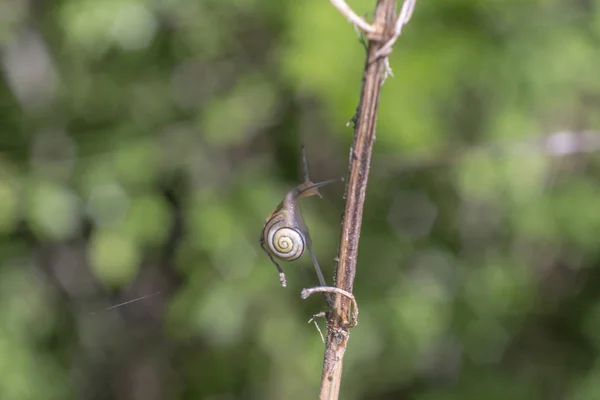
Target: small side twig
x=322 y=314
x=345 y=10
x=373 y=33
x=330 y=289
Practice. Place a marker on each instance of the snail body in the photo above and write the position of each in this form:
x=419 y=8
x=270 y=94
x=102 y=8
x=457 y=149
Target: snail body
x=285 y=235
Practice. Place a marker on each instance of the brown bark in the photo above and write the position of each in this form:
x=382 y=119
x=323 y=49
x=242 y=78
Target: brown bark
x=340 y=319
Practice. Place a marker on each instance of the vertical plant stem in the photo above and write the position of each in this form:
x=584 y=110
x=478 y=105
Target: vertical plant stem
x=339 y=318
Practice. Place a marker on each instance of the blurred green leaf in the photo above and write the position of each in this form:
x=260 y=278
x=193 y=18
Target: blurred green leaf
x=53 y=210
x=114 y=257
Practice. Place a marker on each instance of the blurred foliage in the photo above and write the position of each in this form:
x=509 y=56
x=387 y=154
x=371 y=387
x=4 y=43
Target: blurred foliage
x=143 y=143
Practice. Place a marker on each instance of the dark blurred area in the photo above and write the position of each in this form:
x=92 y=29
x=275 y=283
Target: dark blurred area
x=143 y=143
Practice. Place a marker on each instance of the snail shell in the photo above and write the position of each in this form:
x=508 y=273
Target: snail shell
x=284 y=242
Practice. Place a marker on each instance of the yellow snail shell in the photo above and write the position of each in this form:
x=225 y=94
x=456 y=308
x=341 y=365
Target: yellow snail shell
x=284 y=242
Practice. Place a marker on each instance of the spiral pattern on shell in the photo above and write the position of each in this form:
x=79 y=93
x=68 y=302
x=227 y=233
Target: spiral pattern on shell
x=285 y=243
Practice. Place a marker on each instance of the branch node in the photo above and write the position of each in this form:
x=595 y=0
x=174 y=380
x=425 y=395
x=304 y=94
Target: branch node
x=406 y=12
x=331 y=289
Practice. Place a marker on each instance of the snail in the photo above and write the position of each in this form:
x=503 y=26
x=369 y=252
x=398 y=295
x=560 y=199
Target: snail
x=285 y=235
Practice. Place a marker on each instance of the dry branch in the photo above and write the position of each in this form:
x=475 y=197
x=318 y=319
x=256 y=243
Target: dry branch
x=340 y=318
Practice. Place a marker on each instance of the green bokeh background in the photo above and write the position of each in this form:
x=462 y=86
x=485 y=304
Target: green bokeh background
x=143 y=143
